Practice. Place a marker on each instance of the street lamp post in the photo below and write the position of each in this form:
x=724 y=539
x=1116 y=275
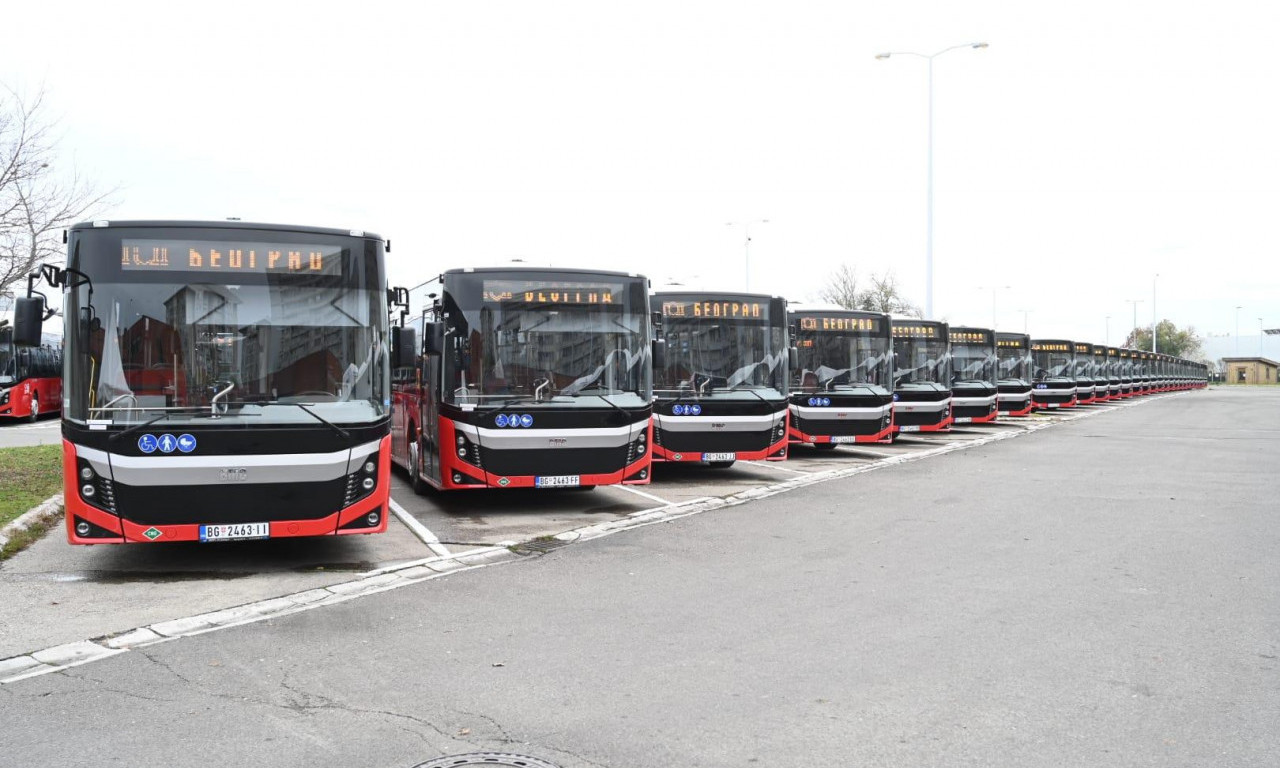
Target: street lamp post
x=1261 y=335
x=994 y=290
x=1024 y=312
x=1153 y=313
x=1107 y=336
x=1135 y=303
x=928 y=253
x=1238 y=330
x=746 y=247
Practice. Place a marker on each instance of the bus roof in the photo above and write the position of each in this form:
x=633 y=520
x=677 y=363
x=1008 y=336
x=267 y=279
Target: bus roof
x=162 y=223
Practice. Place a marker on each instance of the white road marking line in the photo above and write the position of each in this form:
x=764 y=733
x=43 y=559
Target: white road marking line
x=418 y=529
x=775 y=465
x=630 y=489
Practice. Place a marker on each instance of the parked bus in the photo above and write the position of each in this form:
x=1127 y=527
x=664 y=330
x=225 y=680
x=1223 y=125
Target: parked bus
x=720 y=394
x=1013 y=351
x=1105 y=388
x=1117 y=379
x=223 y=381
x=1054 y=384
x=842 y=385
x=30 y=379
x=528 y=378
x=974 y=378
x=922 y=376
x=1141 y=372
x=1086 y=386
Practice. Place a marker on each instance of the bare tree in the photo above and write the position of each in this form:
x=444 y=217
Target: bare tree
x=884 y=295
x=842 y=288
x=35 y=201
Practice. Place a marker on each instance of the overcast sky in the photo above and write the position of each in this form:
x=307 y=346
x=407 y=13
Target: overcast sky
x=1091 y=146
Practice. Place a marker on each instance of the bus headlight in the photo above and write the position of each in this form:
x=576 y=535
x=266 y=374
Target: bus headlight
x=361 y=482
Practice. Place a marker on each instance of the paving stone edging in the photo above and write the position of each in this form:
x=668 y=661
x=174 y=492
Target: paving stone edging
x=45 y=507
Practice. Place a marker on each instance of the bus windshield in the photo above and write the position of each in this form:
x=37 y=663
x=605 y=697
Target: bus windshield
x=252 y=327
x=974 y=362
x=921 y=361
x=832 y=357
x=532 y=338
x=1053 y=363
x=721 y=347
x=1015 y=363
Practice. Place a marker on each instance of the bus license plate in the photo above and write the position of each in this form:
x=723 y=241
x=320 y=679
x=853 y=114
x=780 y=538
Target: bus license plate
x=1051 y=405
x=844 y=438
x=909 y=428
x=963 y=419
x=557 y=481
x=235 y=532
x=710 y=457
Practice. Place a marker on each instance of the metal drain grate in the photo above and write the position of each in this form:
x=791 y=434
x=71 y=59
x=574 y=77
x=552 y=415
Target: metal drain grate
x=539 y=546
x=487 y=758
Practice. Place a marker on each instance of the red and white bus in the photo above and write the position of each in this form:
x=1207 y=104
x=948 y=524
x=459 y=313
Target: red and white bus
x=223 y=381
x=528 y=378
x=30 y=379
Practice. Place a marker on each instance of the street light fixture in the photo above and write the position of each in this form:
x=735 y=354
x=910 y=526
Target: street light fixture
x=1153 y=313
x=746 y=247
x=1238 y=330
x=994 y=290
x=928 y=255
x=1135 y=303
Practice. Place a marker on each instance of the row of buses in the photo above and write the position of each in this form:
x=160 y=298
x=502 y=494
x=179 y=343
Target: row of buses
x=228 y=381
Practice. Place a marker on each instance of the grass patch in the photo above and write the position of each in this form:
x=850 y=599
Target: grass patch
x=28 y=476
x=29 y=535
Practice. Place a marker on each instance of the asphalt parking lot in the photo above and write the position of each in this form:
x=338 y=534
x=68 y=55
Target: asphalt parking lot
x=53 y=593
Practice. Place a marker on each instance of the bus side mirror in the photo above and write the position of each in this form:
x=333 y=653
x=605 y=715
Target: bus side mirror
x=28 y=321
x=433 y=344
x=404 y=347
x=659 y=354
x=793 y=358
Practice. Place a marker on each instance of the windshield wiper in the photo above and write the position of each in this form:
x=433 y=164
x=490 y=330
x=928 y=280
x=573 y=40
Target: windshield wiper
x=144 y=424
x=342 y=432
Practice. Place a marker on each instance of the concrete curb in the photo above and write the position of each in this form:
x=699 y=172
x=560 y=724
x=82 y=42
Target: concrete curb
x=69 y=655
x=45 y=507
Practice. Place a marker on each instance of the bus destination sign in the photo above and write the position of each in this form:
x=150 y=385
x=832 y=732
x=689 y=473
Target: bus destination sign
x=841 y=324
x=716 y=310
x=1012 y=343
x=230 y=258
x=1050 y=347
x=916 y=331
x=970 y=337
x=552 y=292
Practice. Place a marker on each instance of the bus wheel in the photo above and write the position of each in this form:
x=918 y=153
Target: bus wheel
x=824 y=446
x=35 y=408
x=416 y=482
x=720 y=464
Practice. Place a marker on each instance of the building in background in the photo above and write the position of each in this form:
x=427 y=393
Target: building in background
x=1249 y=370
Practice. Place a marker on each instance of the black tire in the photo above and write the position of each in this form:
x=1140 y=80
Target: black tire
x=720 y=464
x=416 y=482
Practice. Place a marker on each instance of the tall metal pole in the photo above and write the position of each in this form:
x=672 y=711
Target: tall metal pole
x=1135 y=303
x=928 y=249
x=1153 y=314
x=1238 y=330
x=1261 y=333
x=746 y=256
x=1107 y=337
x=928 y=243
